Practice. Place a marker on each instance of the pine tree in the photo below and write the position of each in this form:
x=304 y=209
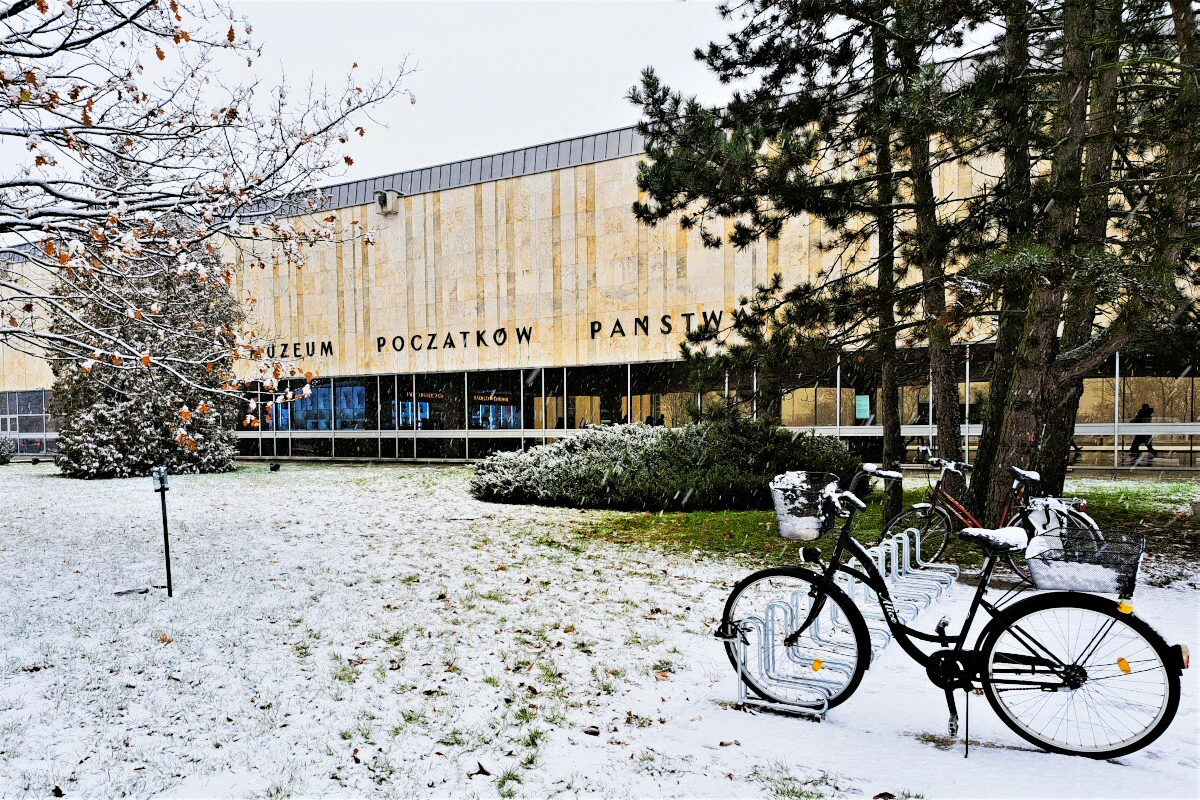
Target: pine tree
x=847 y=118
x=1106 y=250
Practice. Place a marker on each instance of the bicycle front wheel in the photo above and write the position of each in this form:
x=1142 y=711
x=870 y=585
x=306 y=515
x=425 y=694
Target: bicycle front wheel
x=799 y=639
x=1070 y=673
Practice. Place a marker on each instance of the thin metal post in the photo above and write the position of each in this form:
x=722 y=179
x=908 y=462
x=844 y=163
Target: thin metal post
x=754 y=399
x=414 y=414
x=544 y=425
x=629 y=394
x=929 y=409
x=837 y=404
x=726 y=386
x=159 y=474
x=1117 y=411
x=967 y=415
x=521 y=379
x=565 y=398
x=466 y=417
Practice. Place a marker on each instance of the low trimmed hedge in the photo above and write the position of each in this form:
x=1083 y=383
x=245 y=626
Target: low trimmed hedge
x=709 y=465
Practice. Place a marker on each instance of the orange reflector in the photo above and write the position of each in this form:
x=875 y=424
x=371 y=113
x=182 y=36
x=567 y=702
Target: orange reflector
x=1125 y=607
x=1124 y=665
x=817 y=665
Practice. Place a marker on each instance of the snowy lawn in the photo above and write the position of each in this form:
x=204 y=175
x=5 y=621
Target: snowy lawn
x=360 y=631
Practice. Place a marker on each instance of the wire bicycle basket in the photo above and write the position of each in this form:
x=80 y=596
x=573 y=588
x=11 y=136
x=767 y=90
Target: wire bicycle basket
x=800 y=505
x=1105 y=562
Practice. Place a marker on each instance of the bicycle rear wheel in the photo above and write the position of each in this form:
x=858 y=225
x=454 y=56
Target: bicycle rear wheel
x=933 y=524
x=1070 y=673
x=800 y=639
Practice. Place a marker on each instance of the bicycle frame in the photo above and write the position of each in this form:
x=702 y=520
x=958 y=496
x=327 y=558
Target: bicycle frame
x=906 y=636
x=940 y=498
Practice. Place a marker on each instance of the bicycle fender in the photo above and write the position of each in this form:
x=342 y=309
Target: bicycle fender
x=1000 y=621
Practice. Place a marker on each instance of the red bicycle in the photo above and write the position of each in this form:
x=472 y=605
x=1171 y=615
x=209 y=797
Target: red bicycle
x=943 y=515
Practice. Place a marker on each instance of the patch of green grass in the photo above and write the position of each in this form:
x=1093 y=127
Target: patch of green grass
x=533 y=738
x=453 y=739
x=1153 y=509
x=504 y=784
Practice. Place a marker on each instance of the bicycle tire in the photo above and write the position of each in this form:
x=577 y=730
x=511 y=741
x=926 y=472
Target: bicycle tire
x=1152 y=659
x=934 y=524
x=853 y=637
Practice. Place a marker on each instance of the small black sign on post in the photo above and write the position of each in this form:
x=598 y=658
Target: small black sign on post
x=159 y=474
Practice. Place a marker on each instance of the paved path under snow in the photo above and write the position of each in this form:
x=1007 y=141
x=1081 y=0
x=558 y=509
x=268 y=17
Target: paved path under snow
x=374 y=631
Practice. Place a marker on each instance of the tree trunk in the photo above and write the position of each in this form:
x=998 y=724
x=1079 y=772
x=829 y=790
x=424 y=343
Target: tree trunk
x=888 y=405
x=1018 y=214
x=1025 y=402
x=1055 y=452
x=1183 y=149
x=1033 y=375
x=929 y=254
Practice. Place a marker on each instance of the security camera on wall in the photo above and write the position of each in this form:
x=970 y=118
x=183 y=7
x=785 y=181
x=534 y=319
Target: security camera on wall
x=388 y=201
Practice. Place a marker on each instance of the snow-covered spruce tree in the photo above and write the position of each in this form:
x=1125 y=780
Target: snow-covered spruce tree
x=7 y=448
x=124 y=419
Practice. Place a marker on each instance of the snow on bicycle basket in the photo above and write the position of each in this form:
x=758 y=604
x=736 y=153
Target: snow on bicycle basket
x=800 y=506
x=1106 y=562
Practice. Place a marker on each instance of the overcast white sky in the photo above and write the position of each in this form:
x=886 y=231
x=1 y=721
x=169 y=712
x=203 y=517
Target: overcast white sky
x=493 y=75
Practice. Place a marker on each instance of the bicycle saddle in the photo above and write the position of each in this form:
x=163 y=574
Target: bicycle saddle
x=996 y=540
x=1026 y=476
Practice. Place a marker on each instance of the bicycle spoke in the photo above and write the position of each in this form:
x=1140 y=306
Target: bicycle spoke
x=1107 y=690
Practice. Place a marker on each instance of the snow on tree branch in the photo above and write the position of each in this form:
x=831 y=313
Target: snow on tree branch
x=136 y=156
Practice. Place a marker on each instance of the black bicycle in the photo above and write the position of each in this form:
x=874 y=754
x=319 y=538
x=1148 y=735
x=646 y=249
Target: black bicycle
x=1069 y=671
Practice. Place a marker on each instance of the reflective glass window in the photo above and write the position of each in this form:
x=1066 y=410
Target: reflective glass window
x=30 y=403
x=661 y=395
x=495 y=400
x=389 y=410
x=356 y=404
x=596 y=396
x=313 y=413
x=440 y=402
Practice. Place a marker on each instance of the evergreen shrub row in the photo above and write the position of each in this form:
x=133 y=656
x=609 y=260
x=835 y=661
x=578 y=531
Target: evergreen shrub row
x=708 y=465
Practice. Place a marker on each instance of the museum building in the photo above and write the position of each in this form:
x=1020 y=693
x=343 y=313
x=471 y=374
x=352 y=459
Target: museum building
x=512 y=299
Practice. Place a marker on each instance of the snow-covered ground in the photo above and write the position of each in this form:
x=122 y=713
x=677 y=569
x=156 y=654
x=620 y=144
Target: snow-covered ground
x=374 y=631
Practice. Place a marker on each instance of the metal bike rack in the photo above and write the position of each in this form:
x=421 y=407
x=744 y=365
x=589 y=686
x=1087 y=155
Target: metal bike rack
x=914 y=585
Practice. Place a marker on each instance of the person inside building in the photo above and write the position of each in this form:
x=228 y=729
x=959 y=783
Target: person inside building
x=1144 y=414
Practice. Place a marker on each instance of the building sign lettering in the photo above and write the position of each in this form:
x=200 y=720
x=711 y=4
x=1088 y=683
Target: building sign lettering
x=644 y=325
x=435 y=340
x=664 y=325
x=300 y=349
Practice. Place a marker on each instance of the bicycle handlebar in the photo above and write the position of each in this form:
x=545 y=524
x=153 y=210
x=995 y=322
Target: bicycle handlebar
x=886 y=474
x=835 y=495
x=954 y=466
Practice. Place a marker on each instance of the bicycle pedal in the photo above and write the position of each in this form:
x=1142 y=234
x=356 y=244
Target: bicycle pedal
x=952 y=727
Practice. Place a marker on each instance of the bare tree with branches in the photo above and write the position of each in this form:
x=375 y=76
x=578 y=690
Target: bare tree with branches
x=139 y=156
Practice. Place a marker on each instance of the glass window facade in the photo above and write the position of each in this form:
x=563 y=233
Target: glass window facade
x=25 y=418
x=468 y=415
